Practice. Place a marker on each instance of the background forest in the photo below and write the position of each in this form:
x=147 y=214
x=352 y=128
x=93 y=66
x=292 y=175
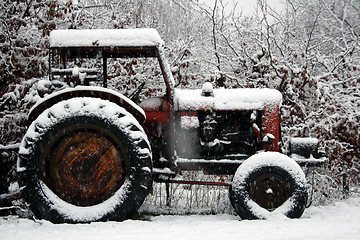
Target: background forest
x=309 y=51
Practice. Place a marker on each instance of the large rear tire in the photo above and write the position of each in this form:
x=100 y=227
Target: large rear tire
x=83 y=160
x=268 y=184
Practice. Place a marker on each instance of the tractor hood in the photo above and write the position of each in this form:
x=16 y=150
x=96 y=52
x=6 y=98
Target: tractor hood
x=225 y=99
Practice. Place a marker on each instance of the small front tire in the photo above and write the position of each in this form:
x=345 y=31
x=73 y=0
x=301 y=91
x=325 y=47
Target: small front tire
x=268 y=184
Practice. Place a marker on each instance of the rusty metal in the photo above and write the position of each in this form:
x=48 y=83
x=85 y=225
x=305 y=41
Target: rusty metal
x=270 y=190
x=84 y=167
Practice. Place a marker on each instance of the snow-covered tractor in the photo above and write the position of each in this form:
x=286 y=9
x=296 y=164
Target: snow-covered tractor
x=92 y=154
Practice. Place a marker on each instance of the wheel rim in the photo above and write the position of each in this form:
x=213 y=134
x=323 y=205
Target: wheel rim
x=84 y=164
x=270 y=191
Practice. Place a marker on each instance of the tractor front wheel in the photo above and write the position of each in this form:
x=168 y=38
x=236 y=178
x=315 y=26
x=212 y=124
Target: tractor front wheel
x=268 y=184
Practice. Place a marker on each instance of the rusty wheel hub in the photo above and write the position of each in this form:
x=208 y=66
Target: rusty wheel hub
x=270 y=191
x=84 y=167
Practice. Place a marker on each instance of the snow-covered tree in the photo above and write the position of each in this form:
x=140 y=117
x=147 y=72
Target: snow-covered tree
x=309 y=52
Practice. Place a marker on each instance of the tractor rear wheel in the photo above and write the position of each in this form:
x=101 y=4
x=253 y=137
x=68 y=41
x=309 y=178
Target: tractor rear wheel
x=84 y=160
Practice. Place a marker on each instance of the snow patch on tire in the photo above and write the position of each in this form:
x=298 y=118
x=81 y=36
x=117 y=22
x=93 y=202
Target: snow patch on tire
x=78 y=107
x=267 y=159
x=84 y=214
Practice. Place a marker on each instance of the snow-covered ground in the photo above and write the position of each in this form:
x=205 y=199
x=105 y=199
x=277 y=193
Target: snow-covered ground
x=338 y=221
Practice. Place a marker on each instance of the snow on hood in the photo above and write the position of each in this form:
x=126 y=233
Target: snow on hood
x=105 y=37
x=226 y=99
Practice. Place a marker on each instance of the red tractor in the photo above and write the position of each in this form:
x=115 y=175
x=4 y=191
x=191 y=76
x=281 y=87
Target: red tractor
x=92 y=154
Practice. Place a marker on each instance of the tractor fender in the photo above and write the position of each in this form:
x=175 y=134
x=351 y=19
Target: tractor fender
x=87 y=91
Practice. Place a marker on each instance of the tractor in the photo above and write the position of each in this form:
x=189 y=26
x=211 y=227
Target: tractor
x=92 y=154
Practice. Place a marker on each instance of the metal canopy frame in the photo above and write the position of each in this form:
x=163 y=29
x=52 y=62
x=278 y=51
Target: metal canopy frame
x=99 y=53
